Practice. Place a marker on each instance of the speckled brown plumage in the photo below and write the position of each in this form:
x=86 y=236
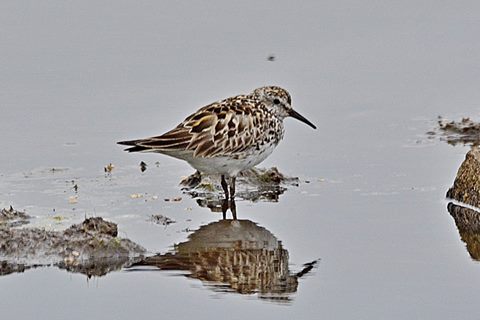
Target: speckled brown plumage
x=227 y=136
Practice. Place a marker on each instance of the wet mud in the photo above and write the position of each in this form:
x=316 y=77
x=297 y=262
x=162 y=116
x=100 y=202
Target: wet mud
x=256 y=184
x=465 y=131
x=91 y=247
x=12 y=218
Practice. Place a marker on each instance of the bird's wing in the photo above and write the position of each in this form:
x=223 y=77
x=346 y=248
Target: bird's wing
x=219 y=129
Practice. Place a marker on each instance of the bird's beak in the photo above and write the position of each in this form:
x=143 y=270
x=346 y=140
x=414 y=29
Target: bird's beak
x=294 y=114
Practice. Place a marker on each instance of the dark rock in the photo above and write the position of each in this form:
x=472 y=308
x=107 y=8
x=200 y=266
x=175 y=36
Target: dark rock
x=161 y=219
x=466 y=187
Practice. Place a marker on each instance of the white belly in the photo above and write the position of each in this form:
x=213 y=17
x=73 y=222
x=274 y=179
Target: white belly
x=228 y=165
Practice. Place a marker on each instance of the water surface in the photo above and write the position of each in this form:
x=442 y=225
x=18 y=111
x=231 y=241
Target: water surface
x=76 y=78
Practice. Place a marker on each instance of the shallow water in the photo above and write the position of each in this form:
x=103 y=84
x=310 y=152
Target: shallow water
x=373 y=77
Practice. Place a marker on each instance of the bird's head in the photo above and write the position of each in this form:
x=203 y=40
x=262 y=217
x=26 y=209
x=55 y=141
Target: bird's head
x=279 y=101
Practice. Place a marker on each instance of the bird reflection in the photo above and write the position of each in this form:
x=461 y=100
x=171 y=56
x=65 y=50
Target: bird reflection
x=234 y=255
x=468 y=224
x=219 y=205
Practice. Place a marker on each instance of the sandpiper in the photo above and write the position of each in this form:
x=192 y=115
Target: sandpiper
x=227 y=136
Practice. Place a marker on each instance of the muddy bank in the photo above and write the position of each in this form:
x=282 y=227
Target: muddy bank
x=466 y=187
x=256 y=184
x=91 y=247
x=12 y=218
x=233 y=256
x=465 y=131
x=468 y=223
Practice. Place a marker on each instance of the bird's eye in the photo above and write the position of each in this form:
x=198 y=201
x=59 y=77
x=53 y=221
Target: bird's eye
x=276 y=101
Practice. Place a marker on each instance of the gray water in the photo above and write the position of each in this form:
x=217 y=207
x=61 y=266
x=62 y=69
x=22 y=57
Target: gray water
x=75 y=77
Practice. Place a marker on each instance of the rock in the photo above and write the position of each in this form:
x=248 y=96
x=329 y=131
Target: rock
x=468 y=224
x=466 y=187
x=161 y=219
x=94 y=226
x=91 y=247
x=11 y=217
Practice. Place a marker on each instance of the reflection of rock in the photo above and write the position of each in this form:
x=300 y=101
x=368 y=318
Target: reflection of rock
x=233 y=256
x=254 y=185
x=97 y=267
x=468 y=224
x=91 y=247
x=466 y=187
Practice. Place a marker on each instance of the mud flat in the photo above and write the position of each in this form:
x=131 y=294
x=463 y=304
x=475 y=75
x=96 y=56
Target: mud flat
x=465 y=131
x=11 y=217
x=91 y=247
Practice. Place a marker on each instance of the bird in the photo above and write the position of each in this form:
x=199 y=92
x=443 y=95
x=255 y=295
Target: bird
x=228 y=136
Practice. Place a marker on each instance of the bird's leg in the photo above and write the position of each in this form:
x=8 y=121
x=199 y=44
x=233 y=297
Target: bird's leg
x=224 y=208
x=233 y=209
x=232 y=187
x=225 y=187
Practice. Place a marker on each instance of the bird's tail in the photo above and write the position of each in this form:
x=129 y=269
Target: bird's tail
x=134 y=143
